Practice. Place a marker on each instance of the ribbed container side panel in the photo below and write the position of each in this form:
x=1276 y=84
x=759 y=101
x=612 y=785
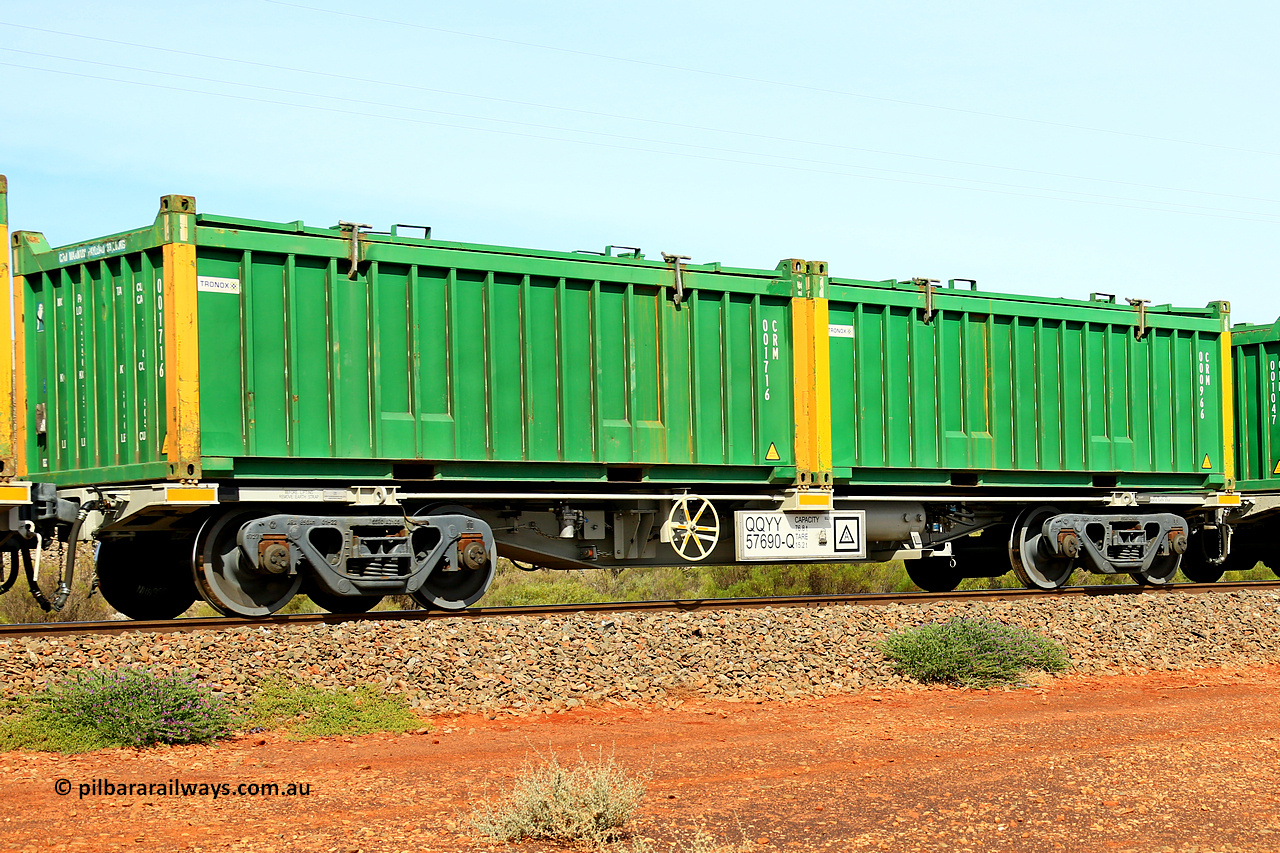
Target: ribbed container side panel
x=1257 y=373
x=93 y=356
x=423 y=359
x=1007 y=387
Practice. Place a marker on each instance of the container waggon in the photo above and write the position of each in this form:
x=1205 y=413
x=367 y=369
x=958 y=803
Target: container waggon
x=240 y=411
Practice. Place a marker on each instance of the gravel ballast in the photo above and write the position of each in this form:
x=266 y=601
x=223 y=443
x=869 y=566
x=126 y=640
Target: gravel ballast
x=532 y=664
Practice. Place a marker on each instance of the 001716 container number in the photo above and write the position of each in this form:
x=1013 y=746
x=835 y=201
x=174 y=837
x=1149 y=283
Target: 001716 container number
x=770 y=342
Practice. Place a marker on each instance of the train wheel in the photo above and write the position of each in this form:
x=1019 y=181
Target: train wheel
x=453 y=589
x=1028 y=556
x=1161 y=572
x=1199 y=571
x=227 y=580
x=934 y=574
x=146 y=578
x=450 y=587
x=1196 y=565
x=339 y=603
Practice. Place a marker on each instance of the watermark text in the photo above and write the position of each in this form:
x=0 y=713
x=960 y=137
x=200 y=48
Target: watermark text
x=179 y=788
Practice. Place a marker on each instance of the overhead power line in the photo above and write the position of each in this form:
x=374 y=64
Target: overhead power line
x=601 y=114
x=1243 y=215
x=625 y=137
x=366 y=101
x=770 y=82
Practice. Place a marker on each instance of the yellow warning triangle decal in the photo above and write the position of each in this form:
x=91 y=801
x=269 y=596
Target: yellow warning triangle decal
x=1277 y=471
x=772 y=455
x=1206 y=463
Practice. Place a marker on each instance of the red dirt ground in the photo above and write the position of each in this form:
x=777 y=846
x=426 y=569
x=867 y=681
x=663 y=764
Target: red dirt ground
x=1159 y=762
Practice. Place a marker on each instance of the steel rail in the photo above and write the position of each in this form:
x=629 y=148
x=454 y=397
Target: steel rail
x=55 y=629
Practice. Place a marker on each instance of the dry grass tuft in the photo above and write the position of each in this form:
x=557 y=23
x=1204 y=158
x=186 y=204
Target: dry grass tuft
x=585 y=805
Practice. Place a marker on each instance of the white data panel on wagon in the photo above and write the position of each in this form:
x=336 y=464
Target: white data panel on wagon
x=780 y=536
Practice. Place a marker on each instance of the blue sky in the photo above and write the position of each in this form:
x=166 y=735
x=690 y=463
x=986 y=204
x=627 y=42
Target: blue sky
x=1058 y=149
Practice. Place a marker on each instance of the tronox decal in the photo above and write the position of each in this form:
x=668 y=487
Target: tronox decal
x=212 y=284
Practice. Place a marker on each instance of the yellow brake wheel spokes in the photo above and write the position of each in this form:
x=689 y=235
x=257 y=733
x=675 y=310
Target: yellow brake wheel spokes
x=692 y=539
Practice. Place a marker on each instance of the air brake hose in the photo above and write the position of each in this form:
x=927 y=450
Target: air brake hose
x=32 y=583
x=12 y=577
x=69 y=558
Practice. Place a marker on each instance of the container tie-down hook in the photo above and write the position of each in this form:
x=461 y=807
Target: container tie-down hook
x=354 y=254
x=1141 y=305
x=675 y=260
x=927 y=285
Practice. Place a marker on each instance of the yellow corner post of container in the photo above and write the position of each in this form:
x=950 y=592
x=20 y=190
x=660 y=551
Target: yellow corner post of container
x=802 y=373
x=1228 y=401
x=182 y=344
x=8 y=423
x=812 y=370
x=821 y=423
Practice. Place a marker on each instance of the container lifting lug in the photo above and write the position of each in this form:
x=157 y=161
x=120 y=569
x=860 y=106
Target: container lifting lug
x=675 y=260
x=1141 y=305
x=928 y=285
x=354 y=254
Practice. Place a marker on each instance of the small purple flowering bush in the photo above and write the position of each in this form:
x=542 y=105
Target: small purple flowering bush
x=972 y=653
x=127 y=707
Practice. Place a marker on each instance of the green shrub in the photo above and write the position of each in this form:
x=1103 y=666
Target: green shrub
x=306 y=711
x=587 y=804
x=129 y=707
x=515 y=588
x=747 y=581
x=972 y=652
x=29 y=726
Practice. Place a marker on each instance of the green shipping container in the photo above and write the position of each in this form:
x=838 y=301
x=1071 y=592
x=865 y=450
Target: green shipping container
x=1257 y=382
x=218 y=348
x=947 y=386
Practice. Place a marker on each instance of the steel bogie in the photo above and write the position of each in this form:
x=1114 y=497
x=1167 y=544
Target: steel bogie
x=252 y=564
x=1046 y=545
x=1147 y=545
x=1120 y=543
